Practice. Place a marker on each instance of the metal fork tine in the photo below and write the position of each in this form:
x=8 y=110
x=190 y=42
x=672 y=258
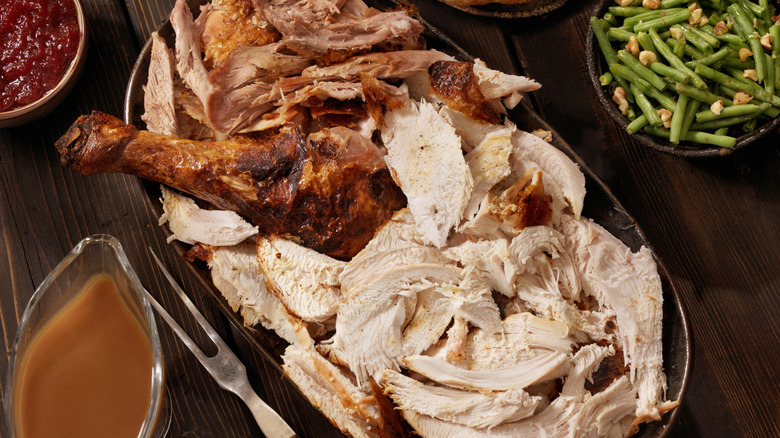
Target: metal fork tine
x=176 y=327
x=190 y=305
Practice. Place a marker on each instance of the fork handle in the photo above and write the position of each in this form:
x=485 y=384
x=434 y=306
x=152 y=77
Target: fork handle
x=271 y=424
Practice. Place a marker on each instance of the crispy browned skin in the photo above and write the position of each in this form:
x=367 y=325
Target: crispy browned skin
x=234 y=23
x=276 y=181
x=456 y=84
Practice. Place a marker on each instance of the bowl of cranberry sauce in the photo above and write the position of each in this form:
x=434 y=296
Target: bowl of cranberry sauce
x=42 y=51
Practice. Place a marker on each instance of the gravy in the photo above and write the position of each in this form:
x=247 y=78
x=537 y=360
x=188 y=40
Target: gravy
x=88 y=371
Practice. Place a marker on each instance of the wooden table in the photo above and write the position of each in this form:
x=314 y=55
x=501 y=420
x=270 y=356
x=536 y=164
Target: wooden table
x=715 y=223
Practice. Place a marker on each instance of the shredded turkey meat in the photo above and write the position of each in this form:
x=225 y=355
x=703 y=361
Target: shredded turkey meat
x=370 y=202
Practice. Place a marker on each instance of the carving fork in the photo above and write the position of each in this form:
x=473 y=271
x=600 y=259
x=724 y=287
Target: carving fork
x=224 y=366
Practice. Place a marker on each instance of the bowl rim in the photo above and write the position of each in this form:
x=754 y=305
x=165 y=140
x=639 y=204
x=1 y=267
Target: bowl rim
x=70 y=73
x=595 y=62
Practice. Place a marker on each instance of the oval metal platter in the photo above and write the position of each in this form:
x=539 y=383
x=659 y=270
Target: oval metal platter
x=600 y=205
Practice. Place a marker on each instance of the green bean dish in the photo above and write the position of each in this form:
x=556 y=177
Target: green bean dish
x=703 y=72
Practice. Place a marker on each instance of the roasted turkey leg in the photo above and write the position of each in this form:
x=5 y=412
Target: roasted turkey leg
x=329 y=193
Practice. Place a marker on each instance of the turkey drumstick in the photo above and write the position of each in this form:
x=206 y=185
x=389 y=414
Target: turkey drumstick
x=329 y=191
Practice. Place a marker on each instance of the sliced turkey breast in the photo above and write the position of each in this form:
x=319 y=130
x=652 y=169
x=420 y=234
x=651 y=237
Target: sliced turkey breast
x=523 y=337
x=305 y=281
x=628 y=283
x=584 y=363
x=189 y=223
x=608 y=413
x=472 y=409
x=369 y=322
x=159 y=105
x=489 y=164
x=490 y=259
x=524 y=203
x=472 y=131
x=546 y=365
x=495 y=84
x=235 y=272
x=431 y=316
x=332 y=391
x=424 y=155
x=398 y=232
x=553 y=421
x=563 y=178
x=369 y=266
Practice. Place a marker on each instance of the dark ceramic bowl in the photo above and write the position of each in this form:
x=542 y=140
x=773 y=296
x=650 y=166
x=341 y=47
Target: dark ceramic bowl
x=597 y=65
x=46 y=103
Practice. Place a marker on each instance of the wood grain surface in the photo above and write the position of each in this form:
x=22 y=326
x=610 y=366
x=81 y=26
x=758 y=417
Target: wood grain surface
x=715 y=223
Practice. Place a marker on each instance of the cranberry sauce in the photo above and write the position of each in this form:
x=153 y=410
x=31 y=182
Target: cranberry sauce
x=38 y=40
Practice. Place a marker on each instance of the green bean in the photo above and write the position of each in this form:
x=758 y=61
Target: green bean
x=609 y=18
x=752 y=8
x=637 y=124
x=722 y=130
x=729 y=121
x=690 y=114
x=626 y=11
x=769 y=83
x=644 y=40
x=666 y=4
x=621 y=71
x=736 y=63
x=774 y=31
x=679 y=47
x=694 y=39
x=723 y=141
x=711 y=40
x=771 y=112
x=691 y=51
x=664 y=99
x=750 y=125
x=601 y=37
x=636 y=19
x=729 y=111
x=606 y=50
x=665 y=70
x=705 y=96
x=674 y=60
x=677 y=119
x=745 y=26
x=711 y=4
x=728 y=38
x=605 y=79
x=645 y=105
x=711 y=59
x=640 y=69
x=752 y=89
x=668 y=20
x=618 y=34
